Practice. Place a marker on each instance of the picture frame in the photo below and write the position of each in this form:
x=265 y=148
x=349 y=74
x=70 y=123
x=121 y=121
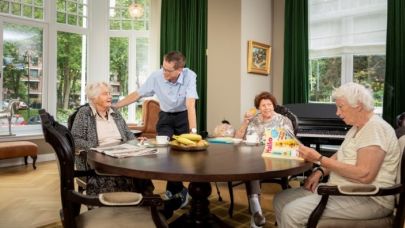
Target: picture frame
x=259 y=57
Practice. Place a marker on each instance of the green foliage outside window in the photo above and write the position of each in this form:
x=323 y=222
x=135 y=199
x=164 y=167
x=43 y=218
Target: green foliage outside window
x=370 y=71
x=69 y=73
x=324 y=77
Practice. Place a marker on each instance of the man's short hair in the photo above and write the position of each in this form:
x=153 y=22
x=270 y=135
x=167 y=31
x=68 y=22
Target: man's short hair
x=177 y=57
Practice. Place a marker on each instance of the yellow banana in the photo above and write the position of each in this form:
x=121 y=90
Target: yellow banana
x=183 y=140
x=193 y=137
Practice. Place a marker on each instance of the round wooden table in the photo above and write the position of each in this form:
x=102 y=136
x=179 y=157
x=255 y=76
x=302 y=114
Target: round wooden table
x=219 y=163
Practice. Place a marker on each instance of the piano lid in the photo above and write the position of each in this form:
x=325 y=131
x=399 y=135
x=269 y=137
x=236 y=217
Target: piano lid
x=317 y=115
x=313 y=110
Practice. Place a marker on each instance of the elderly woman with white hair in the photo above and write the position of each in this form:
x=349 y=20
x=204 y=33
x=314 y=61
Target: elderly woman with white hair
x=369 y=154
x=98 y=124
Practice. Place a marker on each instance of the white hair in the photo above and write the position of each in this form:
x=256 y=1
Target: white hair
x=354 y=94
x=93 y=89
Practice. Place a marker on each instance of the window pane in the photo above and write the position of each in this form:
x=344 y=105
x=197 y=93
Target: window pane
x=114 y=25
x=61 y=18
x=69 y=70
x=119 y=69
x=370 y=71
x=23 y=72
x=71 y=8
x=72 y=20
x=4 y=6
x=325 y=75
x=76 y=12
x=38 y=13
x=60 y=5
x=16 y=9
x=27 y=11
x=38 y=2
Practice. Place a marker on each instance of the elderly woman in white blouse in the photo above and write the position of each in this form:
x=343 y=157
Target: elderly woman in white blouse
x=369 y=154
x=96 y=125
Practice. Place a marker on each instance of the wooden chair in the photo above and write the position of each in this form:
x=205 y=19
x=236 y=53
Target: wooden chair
x=282 y=181
x=150 y=116
x=118 y=209
x=395 y=220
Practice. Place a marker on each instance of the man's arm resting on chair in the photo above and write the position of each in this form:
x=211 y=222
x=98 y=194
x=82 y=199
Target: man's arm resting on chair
x=131 y=98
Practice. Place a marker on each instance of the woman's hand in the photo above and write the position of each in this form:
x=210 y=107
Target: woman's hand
x=312 y=181
x=308 y=153
x=248 y=117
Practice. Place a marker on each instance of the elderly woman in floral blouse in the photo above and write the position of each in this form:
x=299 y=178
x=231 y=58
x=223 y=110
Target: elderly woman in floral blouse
x=96 y=125
x=255 y=123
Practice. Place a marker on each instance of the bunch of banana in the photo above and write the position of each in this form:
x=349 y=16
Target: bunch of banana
x=188 y=140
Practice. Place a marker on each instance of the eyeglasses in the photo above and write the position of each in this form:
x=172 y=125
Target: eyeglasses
x=166 y=70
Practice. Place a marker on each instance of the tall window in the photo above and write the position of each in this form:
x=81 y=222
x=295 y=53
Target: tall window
x=347 y=43
x=69 y=73
x=22 y=72
x=71 y=55
x=45 y=51
x=129 y=51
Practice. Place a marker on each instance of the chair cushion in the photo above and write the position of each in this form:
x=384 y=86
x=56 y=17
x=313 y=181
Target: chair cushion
x=116 y=217
x=372 y=223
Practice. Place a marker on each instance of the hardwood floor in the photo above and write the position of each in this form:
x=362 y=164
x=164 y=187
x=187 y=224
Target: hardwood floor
x=30 y=198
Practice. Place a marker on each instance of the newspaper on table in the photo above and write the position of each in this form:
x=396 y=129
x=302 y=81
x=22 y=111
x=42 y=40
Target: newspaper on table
x=126 y=150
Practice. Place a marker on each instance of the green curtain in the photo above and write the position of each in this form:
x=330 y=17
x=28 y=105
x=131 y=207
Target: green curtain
x=295 y=85
x=394 y=87
x=184 y=28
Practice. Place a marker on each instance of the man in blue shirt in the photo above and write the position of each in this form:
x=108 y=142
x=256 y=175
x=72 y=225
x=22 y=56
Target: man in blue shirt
x=175 y=87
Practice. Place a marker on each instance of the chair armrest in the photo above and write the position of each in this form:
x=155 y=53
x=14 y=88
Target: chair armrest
x=359 y=190
x=136 y=127
x=120 y=198
x=115 y=199
x=348 y=190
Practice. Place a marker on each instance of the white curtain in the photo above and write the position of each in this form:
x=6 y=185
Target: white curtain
x=339 y=27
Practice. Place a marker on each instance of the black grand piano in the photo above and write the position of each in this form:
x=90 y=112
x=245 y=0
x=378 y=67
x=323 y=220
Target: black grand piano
x=318 y=124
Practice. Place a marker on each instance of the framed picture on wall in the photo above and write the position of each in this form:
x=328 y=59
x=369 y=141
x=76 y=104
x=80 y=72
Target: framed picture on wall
x=259 y=56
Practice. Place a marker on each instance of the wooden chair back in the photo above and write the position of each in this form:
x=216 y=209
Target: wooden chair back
x=150 y=117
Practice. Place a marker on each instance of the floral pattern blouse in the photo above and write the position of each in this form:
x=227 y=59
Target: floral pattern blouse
x=257 y=125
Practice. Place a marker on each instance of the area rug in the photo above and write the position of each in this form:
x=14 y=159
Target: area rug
x=240 y=218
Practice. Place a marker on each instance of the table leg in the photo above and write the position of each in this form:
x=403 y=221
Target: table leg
x=199 y=214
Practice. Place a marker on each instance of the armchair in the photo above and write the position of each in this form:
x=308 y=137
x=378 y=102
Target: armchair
x=118 y=209
x=396 y=220
x=150 y=116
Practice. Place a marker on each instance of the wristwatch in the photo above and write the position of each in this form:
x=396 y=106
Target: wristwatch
x=193 y=130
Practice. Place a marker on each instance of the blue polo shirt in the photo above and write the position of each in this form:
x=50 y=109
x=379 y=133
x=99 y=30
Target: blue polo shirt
x=172 y=96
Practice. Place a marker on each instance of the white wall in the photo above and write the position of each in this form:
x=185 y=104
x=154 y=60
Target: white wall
x=278 y=50
x=231 y=90
x=256 y=25
x=223 y=62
